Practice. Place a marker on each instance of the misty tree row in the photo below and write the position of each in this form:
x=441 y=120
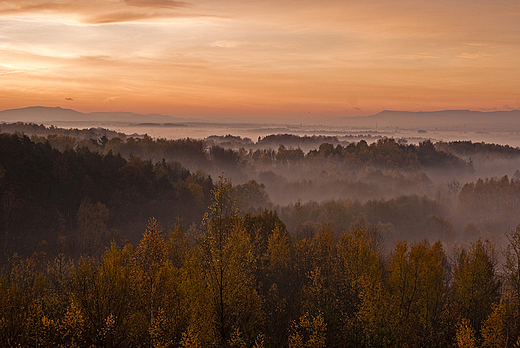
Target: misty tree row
x=52 y=200
x=243 y=281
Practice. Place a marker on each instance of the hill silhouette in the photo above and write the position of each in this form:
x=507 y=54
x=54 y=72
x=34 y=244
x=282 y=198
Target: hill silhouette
x=42 y=114
x=464 y=120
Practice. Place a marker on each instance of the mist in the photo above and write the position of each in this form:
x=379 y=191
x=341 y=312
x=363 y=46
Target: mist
x=338 y=180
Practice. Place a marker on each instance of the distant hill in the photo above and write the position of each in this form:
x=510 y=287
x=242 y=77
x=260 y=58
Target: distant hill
x=452 y=120
x=57 y=115
x=463 y=120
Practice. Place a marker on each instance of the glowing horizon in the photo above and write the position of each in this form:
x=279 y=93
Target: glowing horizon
x=298 y=60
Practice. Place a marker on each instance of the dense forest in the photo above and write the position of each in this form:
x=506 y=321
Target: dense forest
x=121 y=241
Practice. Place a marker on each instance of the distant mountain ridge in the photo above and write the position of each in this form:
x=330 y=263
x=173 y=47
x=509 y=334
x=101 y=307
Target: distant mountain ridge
x=453 y=119
x=43 y=114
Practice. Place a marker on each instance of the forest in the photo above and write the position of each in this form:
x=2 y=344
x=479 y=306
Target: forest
x=129 y=241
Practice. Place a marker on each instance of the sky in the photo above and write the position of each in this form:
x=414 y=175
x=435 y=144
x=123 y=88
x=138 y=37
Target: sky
x=260 y=60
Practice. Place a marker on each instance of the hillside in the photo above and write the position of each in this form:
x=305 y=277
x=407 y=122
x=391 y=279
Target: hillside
x=464 y=120
x=41 y=114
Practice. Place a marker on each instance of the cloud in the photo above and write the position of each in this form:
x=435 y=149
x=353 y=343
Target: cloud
x=466 y=55
x=417 y=56
x=157 y=3
x=111 y=99
x=98 y=11
x=225 y=44
x=7 y=69
x=124 y=16
x=35 y=6
x=69 y=99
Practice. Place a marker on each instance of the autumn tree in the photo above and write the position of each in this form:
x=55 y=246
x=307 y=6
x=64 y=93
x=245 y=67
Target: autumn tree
x=20 y=289
x=418 y=286
x=465 y=335
x=226 y=270
x=476 y=284
x=151 y=255
x=357 y=271
x=279 y=284
x=102 y=297
x=158 y=286
x=494 y=333
x=317 y=261
x=503 y=324
x=308 y=332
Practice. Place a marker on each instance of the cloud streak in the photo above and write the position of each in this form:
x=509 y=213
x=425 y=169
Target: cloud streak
x=99 y=11
x=269 y=56
x=157 y=3
x=225 y=44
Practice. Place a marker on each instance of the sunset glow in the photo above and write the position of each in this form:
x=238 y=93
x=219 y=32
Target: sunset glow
x=260 y=59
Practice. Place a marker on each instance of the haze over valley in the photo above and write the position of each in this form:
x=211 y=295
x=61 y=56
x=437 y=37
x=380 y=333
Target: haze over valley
x=500 y=127
x=260 y=174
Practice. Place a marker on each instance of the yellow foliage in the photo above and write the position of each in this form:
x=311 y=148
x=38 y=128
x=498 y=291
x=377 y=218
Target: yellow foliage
x=493 y=334
x=309 y=332
x=72 y=325
x=236 y=340
x=190 y=339
x=465 y=335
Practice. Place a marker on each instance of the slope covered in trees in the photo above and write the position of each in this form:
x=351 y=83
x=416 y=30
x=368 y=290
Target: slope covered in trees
x=389 y=244
x=79 y=199
x=243 y=280
x=60 y=189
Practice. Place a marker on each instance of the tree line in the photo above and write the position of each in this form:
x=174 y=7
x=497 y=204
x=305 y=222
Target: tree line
x=76 y=200
x=77 y=270
x=241 y=280
x=59 y=197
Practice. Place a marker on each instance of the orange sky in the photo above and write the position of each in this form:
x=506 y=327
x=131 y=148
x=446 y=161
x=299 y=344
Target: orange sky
x=254 y=60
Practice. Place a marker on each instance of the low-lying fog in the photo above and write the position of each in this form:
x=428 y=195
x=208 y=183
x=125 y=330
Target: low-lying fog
x=412 y=183
x=253 y=131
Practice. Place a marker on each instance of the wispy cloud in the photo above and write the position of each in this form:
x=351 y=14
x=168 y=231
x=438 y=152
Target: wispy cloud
x=98 y=11
x=124 y=16
x=467 y=55
x=268 y=55
x=417 y=56
x=111 y=99
x=157 y=3
x=6 y=70
x=225 y=44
